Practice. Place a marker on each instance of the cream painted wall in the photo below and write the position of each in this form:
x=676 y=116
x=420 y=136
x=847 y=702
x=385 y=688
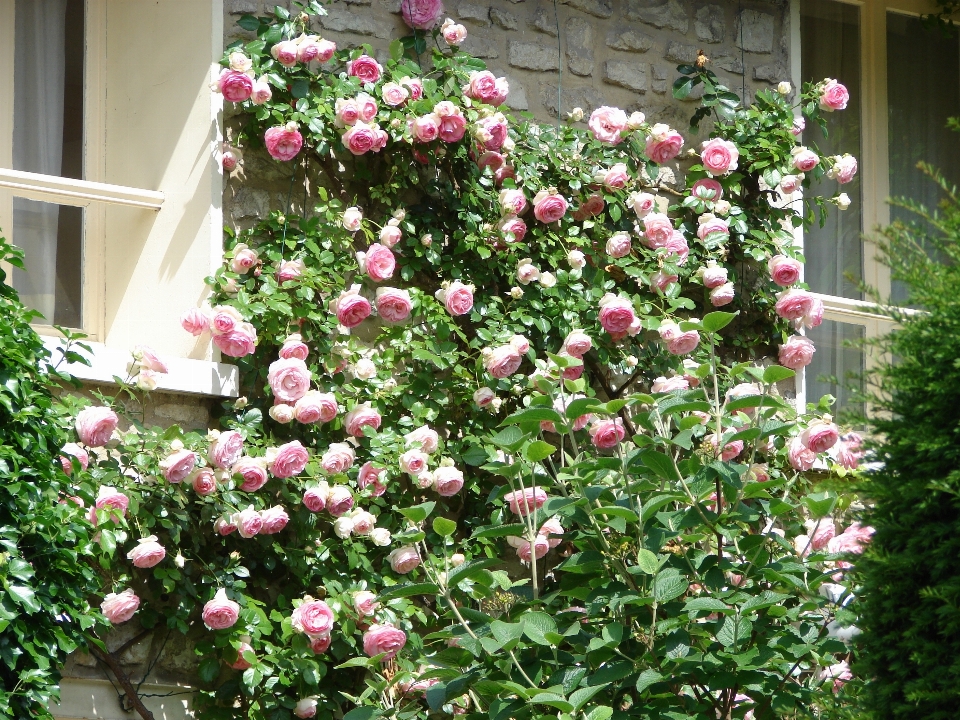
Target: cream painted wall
x=89 y=699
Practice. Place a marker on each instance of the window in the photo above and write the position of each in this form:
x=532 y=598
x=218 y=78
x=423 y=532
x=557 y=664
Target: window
x=904 y=82
x=108 y=177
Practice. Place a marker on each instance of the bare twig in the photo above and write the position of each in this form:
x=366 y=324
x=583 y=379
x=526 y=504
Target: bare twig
x=110 y=660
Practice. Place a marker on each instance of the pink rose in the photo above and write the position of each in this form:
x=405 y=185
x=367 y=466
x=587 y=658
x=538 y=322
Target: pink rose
x=790 y=183
x=225 y=525
x=147 y=553
x=784 y=271
x=360 y=417
x=577 y=343
x=425 y=128
x=379 y=262
x=237 y=343
x=404 y=559
x=347 y=111
x=661 y=281
x=414 y=86
x=320 y=644
x=799 y=456
x=618 y=245
x=294 y=347
x=285 y=52
x=493 y=131
x=394 y=94
x=833 y=96
x=315 y=407
x=363 y=138
x=453 y=126
x=249 y=522
x=327 y=48
x=283 y=143
x=235 y=86
x=551 y=527
x=365 y=603
x=677 y=247
x=243 y=259
x=289 y=379
x=800 y=305
x=369 y=476
x=390 y=235
x=614 y=178
x=447 y=481
x=307 y=49
x=820 y=436
x=657 y=230
x=120 y=607
x=722 y=295
x=282 y=413
x=678 y=342
x=315 y=499
x=427 y=438
x=484 y=397
x=512 y=202
x=607 y=433
x=351 y=307
x=365 y=68
x=485 y=87
x=730 y=450
x=363 y=522
x=225 y=319
x=176 y=466
x=664 y=384
x=616 y=314
x=204 y=482
x=241 y=663
x=843 y=169
x=261 y=91
x=339 y=500
x=393 y=305
x=804 y=160
x=503 y=361
x=148 y=359
x=287 y=460
x=220 y=613
x=226 y=449
x=458 y=298
x=274 y=520
x=338 y=458
x=421 y=14
x=714 y=276
x=195 y=321
x=252 y=471
x=414 y=462
x=539 y=548
x=71 y=451
x=607 y=123
x=796 y=353
x=289 y=270
x=513 y=228
x=549 y=207
x=95 y=425
x=719 y=157
x=849 y=453
x=822 y=531
x=642 y=203
x=663 y=144
x=453 y=33
x=710 y=224
x=591 y=207
x=384 y=640
x=526 y=501
x=707 y=189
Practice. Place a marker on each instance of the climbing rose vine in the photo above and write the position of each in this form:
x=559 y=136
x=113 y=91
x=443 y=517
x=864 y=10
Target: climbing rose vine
x=498 y=453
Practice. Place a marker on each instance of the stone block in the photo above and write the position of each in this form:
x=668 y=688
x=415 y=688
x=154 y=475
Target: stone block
x=481 y=46
x=533 y=56
x=660 y=83
x=597 y=8
x=730 y=63
x=630 y=40
x=626 y=74
x=339 y=19
x=250 y=203
x=579 y=36
x=587 y=98
x=504 y=18
x=754 y=32
x=238 y=7
x=770 y=73
x=474 y=13
x=680 y=53
x=671 y=15
x=710 y=25
x=545 y=20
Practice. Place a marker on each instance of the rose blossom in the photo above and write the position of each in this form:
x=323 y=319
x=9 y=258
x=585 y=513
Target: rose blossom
x=384 y=640
x=453 y=33
x=249 y=522
x=661 y=280
x=220 y=613
x=791 y=183
x=261 y=91
x=285 y=52
x=390 y=235
x=363 y=522
x=312 y=617
x=351 y=307
x=820 y=532
x=362 y=138
x=512 y=202
x=72 y=450
x=326 y=50
x=833 y=96
x=426 y=436
x=613 y=178
x=707 y=189
x=176 y=466
x=492 y=131
x=338 y=458
x=643 y=204
x=848 y=452
x=576 y=259
x=289 y=270
x=591 y=207
x=369 y=476
x=365 y=68
x=421 y=14
x=239 y=342
x=308 y=49
x=503 y=361
x=800 y=305
x=120 y=607
x=425 y=128
x=252 y=471
x=365 y=603
x=346 y=111
x=315 y=407
x=457 y=298
x=394 y=94
x=663 y=143
x=243 y=259
x=551 y=527
x=719 y=157
x=714 y=275
x=453 y=124
x=678 y=342
x=618 y=245
x=513 y=228
x=539 y=548
x=525 y=502
x=289 y=379
x=234 y=86
x=657 y=230
x=843 y=169
x=315 y=499
x=147 y=553
x=340 y=502
x=287 y=460
x=722 y=295
x=851 y=540
x=820 y=436
x=226 y=449
x=225 y=319
x=799 y=456
x=616 y=314
x=447 y=481
x=527 y=272
x=404 y=559
x=393 y=305
x=352 y=219
x=784 y=271
x=95 y=425
x=195 y=321
x=360 y=417
x=224 y=525
x=483 y=396
x=664 y=384
x=607 y=123
x=241 y=663
x=730 y=450
x=804 y=160
x=203 y=481
x=548 y=206
x=283 y=142
x=710 y=224
x=577 y=343
x=607 y=433
x=796 y=353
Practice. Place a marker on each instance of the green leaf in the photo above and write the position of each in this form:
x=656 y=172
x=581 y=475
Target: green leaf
x=418 y=513
x=300 y=88
x=682 y=87
x=108 y=541
x=820 y=504
x=506 y=632
x=705 y=603
x=648 y=678
x=616 y=511
x=471 y=569
x=533 y=414
x=647 y=561
x=209 y=669
x=500 y=530
x=552 y=699
x=444 y=527
x=402 y=591
x=363 y=713
x=25 y=596
x=735 y=630
x=355 y=662
x=668 y=585
x=716 y=321
x=600 y=712
x=539 y=450
x=660 y=463
x=582 y=406
x=582 y=696
x=508 y=437
x=776 y=373
x=536 y=625
x=249 y=23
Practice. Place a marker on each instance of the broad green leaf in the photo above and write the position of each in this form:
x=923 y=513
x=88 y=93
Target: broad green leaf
x=362 y=713
x=25 y=596
x=705 y=603
x=647 y=561
x=648 y=678
x=820 y=504
x=600 y=712
x=538 y=450
x=716 y=321
x=616 y=511
x=471 y=569
x=669 y=584
x=506 y=632
x=418 y=513
x=408 y=590
x=660 y=463
x=776 y=373
x=533 y=414
x=508 y=437
x=209 y=669
x=734 y=631
x=500 y=530
x=444 y=527
x=581 y=697
x=536 y=625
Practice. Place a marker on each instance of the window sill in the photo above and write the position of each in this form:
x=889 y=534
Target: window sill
x=193 y=377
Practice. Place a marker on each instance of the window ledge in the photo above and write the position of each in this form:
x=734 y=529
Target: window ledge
x=860 y=308
x=194 y=377
x=67 y=191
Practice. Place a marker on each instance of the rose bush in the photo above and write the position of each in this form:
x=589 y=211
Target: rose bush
x=486 y=460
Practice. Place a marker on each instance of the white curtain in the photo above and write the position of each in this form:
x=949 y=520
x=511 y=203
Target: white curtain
x=38 y=142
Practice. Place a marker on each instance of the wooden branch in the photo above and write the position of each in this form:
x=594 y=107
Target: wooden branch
x=130 y=692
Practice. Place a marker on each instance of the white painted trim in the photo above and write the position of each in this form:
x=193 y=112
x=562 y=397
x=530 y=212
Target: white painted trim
x=87 y=698
x=79 y=193
x=195 y=377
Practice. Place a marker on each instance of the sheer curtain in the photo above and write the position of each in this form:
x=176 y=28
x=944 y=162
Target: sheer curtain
x=39 y=71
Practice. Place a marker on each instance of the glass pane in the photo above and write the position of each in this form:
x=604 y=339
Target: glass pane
x=923 y=90
x=834 y=361
x=48 y=139
x=830 y=48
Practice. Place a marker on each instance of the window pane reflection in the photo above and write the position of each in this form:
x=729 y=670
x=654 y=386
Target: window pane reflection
x=835 y=361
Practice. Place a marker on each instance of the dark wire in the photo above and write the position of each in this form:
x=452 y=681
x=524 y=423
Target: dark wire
x=556 y=16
